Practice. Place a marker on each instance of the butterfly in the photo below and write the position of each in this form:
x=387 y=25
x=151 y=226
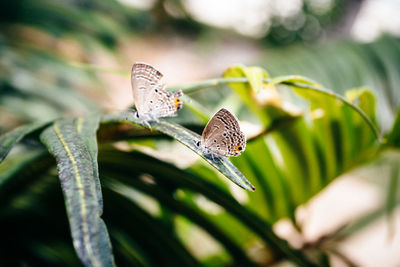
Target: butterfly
x=222 y=135
x=151 y=99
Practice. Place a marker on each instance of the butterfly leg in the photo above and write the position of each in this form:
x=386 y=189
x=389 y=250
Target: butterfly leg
x=152 y=118
x=196 y=143
x=147 y=124
x=135 y=115
x=202 y=149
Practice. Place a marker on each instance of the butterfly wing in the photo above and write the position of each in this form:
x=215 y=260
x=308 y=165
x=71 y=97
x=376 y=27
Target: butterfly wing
x=222 y=135
x=149 y=94
x=163 y=103
x=144 y=78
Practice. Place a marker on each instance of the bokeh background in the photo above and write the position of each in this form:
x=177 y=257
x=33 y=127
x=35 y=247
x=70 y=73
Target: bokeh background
x=71 y=58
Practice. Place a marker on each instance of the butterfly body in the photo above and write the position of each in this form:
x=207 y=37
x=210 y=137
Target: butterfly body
x=222 y=135
x=151 y=99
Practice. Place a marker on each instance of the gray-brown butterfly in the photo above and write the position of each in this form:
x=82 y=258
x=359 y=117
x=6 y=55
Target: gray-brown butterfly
x=222 y=135
x=151 y=99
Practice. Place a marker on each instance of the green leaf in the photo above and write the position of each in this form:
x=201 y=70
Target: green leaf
x=255 y=75
x=127 y=251
x=257 y=164
x=18 y=174
x=190 y=212
x=87 y=128
x=75 y=169
x=317 y=95
x=8 y=140
x=248 y=89
x=189 y=139
x=364 y=99
x=40 y=205
x=393 y=188
x=158 y=242
x=14 y=164
x=262 y=100
x=394 y=135
x=170 y=176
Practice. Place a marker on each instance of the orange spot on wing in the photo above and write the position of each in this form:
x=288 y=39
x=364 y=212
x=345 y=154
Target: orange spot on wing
x=177 y=103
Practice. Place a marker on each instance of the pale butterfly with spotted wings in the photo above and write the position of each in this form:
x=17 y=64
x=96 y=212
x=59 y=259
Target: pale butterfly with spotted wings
x=150 y=97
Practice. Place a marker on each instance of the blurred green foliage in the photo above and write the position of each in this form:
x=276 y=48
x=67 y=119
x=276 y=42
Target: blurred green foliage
x=155 y=212
x=345 y=64
x=289 y=161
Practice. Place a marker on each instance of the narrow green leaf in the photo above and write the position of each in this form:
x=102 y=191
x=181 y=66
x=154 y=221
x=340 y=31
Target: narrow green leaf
x=75 y=170
x=393 y=188
x=189 y=139
x=19 y=173
x=315 y=93
x=394 y=135
x=150 y=233
x=265 y=196
x=127 y=250
x=14 y=164
x=279 y=194
x=8 y=140
x=365 y=100
x=192 y=213
x=263 y=101
x=87 y=128
x=249 y=88
x=255 y=76
x=297 y=152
